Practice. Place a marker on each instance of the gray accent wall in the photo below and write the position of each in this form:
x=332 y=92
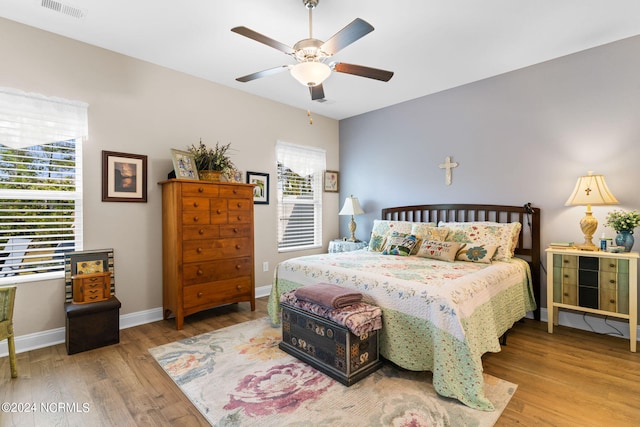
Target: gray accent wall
x=524 y=136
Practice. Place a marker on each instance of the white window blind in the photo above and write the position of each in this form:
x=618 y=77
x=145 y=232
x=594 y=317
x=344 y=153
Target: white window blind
x=300 y=171
x=40 y=184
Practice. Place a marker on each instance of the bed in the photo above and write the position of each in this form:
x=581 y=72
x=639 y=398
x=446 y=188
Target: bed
x=440 y=314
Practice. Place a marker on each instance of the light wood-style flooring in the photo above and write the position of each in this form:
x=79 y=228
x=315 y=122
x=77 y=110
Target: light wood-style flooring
x=569 y=378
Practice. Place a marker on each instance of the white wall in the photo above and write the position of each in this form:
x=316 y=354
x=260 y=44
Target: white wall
x=524 y=136
x=139 y=108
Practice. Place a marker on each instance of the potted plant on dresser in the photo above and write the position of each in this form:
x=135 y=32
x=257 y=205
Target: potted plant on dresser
x=211 y=163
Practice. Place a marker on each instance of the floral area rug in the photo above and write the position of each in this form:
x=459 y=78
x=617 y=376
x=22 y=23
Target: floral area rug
x=237 y=376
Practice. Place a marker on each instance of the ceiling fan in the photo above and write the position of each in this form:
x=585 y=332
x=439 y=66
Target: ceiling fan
x=311 y=54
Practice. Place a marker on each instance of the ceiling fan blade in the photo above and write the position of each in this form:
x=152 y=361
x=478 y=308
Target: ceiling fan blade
x=263 y=73
x=349 y=34
x=247 y=32
x=362 y=71
x=317 y=92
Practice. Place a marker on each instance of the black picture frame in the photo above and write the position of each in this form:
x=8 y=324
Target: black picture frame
x=261 y=187
x=124 y=177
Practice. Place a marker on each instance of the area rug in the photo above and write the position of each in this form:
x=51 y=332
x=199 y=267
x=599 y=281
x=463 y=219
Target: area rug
x=237 y=376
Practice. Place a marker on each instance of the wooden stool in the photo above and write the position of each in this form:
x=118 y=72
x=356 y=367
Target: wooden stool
x=92 y=325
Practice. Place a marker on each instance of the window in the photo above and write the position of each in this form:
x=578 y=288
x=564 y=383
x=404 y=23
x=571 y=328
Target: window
x=40 y=184
x=299 y=196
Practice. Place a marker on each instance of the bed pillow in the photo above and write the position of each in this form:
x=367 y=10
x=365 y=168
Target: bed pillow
x=427 y=231
x=437 y=249
x=381 y=229
x=399 y=244
x=477 y=253
x=503 y=235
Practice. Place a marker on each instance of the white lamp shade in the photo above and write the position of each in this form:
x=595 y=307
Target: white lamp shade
x=591 y=190
x=311 y=73
x=351 y=207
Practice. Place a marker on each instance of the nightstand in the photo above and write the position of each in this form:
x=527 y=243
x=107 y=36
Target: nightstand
x=345 y=246
x=593 y=282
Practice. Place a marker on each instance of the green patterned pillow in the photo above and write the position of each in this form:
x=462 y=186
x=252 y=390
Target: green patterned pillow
x=382 y=229
x=399 y=244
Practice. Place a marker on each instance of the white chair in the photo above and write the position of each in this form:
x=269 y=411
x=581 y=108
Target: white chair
x=12 y=254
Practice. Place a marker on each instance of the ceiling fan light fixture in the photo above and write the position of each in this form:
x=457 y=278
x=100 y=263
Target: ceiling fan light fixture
x=311 y=73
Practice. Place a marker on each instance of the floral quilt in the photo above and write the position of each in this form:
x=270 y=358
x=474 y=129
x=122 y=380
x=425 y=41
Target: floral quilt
x=437 y=316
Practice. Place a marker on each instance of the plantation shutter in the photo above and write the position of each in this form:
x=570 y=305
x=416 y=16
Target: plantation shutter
x=40 y=184
x=300 y=171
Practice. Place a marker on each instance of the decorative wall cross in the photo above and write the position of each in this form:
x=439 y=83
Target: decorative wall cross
x=448 y=165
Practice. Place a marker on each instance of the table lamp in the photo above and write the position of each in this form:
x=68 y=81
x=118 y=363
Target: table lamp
x=351 y=207
x=590 y=190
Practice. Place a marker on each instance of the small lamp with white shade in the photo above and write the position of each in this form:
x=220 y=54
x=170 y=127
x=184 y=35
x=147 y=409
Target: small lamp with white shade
x=351 y=207
x=590 y=190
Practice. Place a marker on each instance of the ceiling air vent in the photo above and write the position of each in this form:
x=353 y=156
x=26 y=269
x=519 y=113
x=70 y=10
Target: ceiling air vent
x=65 y=8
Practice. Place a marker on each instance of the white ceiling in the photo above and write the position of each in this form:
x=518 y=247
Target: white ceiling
x=431 y=45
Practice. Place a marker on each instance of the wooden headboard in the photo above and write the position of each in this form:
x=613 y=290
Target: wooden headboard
x=528 y=243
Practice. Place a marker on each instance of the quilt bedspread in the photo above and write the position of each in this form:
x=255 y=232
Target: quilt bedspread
x=444 y=326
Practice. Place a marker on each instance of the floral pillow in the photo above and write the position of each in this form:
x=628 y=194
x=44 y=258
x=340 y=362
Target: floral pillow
x=399 y=244
x=437 y=249
x=382 y=228
x=427 y=231
x=477 y=253
x=502 y=235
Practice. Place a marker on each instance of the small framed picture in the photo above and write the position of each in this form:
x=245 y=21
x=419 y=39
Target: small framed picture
x=261 y=187
x=184 y=164
x=331 y=181
x=124 y=177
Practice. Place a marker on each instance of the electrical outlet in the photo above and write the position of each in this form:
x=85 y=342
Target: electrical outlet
x=265 y=266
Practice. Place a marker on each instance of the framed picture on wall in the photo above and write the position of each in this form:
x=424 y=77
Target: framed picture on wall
x=184 y=164
x=261 y=189
x=124 y=177
x=331 y=181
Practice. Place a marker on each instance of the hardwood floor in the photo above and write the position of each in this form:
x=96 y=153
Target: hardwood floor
x=569 y=378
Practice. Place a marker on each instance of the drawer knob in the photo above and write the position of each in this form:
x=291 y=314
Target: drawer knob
x=199 y=294
x=199 y=250
x=237 y=246
x=218 y=211
x=612 y=281
x=235 y=191
x=200 y=189
x=566 y=294
x=612 y=301
x=201 y=231
x=239 y=218
x=238 y=267
x=235 y=230
x=566 y=261
x=239 y=287
x=199 y=272
x=196 y=204
x=566 y=276
x=196 y=218
x=239 y=204
x=612 y=265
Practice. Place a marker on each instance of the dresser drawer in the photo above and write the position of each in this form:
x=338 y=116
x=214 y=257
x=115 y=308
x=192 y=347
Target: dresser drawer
x=195 y=204
x=196 y=217
x=216 y=293
x=195 y=232
x=237 y=191
x=205 y=250
x=194 y=189
x=245 y=205
x=240 y=217
x=212 y=271
x=609 y=265
x=236 y=230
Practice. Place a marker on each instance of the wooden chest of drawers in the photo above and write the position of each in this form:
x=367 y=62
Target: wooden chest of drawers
x=92 y=287
x=207 y=246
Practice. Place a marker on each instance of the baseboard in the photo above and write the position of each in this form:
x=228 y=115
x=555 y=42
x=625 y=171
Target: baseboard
x=56 y=336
